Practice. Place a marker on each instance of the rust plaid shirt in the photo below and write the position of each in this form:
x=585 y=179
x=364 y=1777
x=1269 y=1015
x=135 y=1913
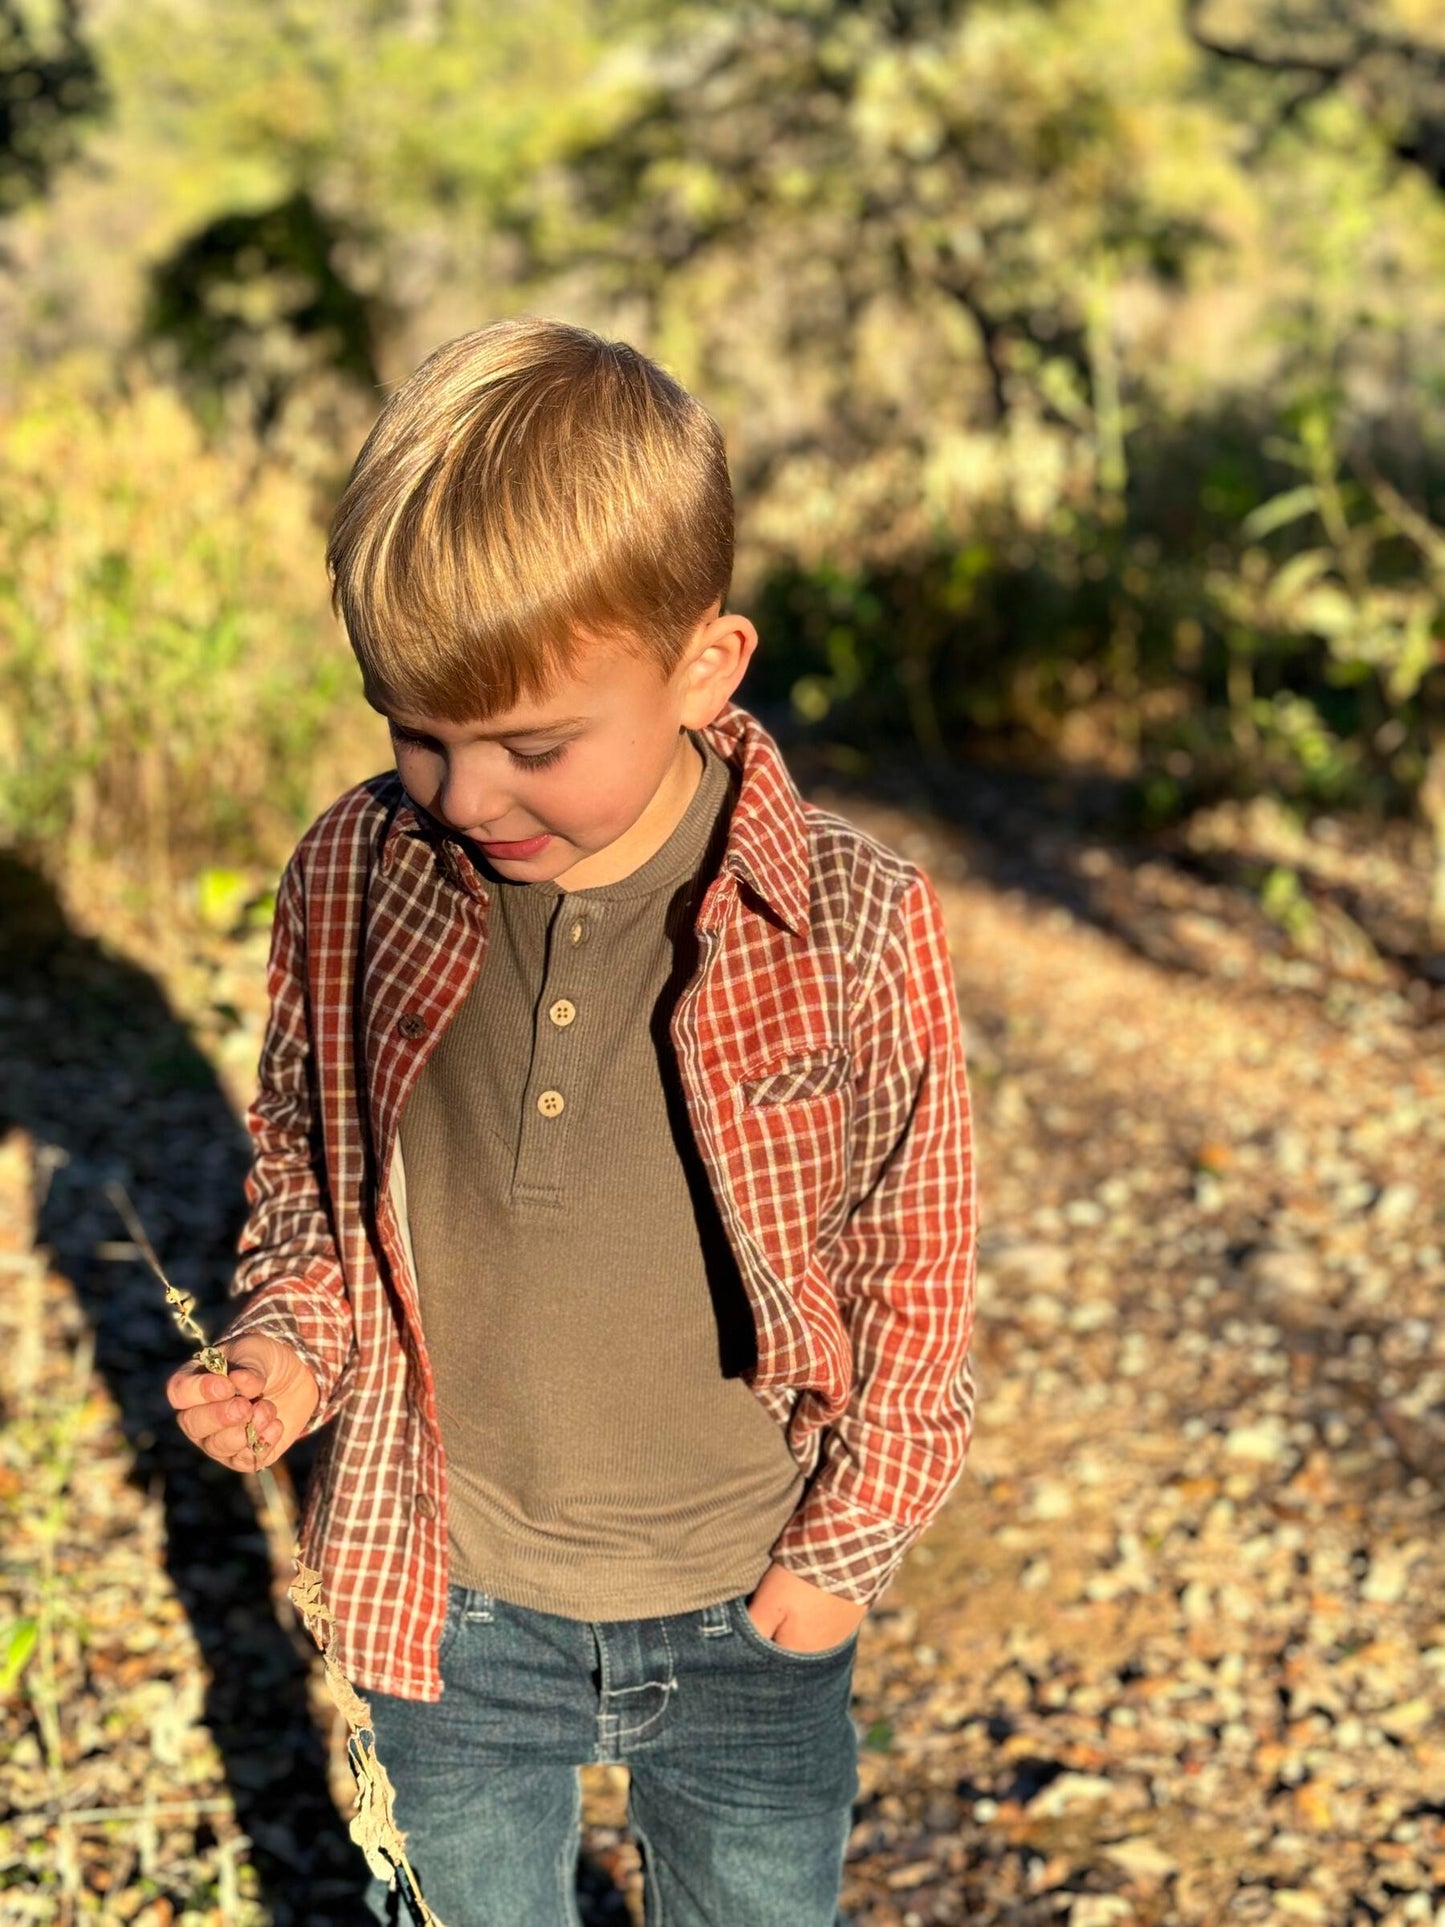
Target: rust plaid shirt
x=820 y=1050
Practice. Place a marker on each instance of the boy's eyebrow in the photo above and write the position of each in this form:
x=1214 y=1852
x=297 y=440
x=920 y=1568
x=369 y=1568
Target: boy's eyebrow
x=495 y=735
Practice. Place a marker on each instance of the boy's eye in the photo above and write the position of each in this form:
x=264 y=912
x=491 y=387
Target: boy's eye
x=540 y=761
x=400 y=735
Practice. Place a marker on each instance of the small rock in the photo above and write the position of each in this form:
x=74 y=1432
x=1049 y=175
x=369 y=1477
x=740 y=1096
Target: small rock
x=1052 y=1499
x=1291 y=1152
x=1285 y=1273
x=1099 y=1910
x=1084 y=1211
x=1142 y=1858
x=1401 y=1721
x=1299 y=1903
x=1069 y=1790
x=1208 y=1191
x=1043 y=1309
x=914 y=1874
x=1196 y=1602
x=1266 y=1442
x=1385 y=1583
x=1035 y=1263
x=1394 y=1205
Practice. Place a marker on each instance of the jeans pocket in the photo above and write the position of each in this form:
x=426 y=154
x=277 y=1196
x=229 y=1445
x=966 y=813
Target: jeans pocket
x=745 y=1624
x=452 y=1624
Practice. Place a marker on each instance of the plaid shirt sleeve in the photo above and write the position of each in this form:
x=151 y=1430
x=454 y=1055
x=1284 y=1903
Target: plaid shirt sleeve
x=290 y=1273
x=903 y=1269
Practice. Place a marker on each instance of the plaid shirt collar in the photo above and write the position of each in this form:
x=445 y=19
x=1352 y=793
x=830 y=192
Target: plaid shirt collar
x=767 y=843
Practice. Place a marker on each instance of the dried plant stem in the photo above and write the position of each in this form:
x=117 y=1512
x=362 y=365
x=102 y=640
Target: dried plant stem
x=373 y=1825
x=181 y=1303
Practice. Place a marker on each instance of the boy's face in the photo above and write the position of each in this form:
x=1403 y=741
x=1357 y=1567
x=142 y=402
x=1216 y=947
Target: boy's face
x=583 y=788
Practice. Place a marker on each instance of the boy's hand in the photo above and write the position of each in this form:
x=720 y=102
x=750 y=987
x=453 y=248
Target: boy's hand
x=794 y=1613
x=213 y=1409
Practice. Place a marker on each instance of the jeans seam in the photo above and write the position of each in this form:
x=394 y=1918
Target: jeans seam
x=629 y=1737
x=567 y=1859
x=652 y=1901
x=451 y=1627
x=607 y=1723
x=720 y=1626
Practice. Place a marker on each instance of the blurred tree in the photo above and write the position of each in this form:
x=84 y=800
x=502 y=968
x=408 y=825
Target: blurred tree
x=285 y=195
x=891 y=240
x=254 y=301
x=1387 y=55
x=49 y=87
x=925 y=262
x=1000 y=305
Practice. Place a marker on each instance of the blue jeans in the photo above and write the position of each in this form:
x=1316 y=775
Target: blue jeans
x=743 y=1760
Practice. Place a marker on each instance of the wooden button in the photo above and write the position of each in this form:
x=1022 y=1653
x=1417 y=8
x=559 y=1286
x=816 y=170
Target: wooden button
x=426 y=1506
x=550 y=1103
x=411 y=1024
x=562 y=1012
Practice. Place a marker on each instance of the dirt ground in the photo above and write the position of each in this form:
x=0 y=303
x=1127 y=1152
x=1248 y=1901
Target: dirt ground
x=1175 y=1650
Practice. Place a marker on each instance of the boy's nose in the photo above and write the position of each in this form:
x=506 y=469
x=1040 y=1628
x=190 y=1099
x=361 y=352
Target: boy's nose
x=469 y=808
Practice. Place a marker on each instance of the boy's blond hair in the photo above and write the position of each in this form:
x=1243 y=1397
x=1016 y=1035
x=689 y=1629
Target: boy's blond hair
x=530 y=488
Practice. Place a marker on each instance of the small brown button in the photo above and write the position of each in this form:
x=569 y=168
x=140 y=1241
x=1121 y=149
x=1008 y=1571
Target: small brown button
x=550 y=1103
x=412 y=1024
x=562 y=1012
x=426 y=1506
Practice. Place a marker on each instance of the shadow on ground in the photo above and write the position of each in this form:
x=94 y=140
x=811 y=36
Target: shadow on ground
x=1069 y=838
x=101 y=1073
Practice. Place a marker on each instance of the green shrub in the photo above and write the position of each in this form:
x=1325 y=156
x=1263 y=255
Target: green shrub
x=174 y=686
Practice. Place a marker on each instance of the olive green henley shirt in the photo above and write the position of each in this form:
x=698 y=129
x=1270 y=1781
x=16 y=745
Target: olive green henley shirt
x=584 y=1316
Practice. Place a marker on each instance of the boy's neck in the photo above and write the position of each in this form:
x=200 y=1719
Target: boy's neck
x=651 y=830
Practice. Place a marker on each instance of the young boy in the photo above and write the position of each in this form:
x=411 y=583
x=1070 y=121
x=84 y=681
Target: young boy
x=613 y=1194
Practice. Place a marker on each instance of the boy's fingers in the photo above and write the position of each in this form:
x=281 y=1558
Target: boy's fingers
x=206 y=1421
x=229 y=1444
x=193 y=1385
x=200 y=1426
x=215 y=1409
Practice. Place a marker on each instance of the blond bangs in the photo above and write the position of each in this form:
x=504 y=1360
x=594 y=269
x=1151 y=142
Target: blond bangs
x=531 y=490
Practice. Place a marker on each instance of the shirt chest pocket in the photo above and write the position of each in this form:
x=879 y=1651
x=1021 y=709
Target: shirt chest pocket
x=795 y=1078
x=794 y=1124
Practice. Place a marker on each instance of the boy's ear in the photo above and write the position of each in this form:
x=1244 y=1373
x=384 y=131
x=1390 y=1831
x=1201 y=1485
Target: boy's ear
x=719 y=660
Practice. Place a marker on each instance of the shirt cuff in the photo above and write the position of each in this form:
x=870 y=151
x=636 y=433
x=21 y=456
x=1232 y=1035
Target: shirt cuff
x=841 y=1549
x=270 y=1311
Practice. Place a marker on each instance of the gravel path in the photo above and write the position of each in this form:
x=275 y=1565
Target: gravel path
x=1174 y=1651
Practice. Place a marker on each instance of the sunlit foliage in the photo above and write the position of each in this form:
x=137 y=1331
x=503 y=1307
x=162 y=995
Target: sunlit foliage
x=1017 y=316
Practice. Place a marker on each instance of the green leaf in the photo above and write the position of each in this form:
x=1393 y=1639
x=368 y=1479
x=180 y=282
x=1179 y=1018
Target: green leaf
x=1300 y=572
x=1417 y=652
x=18 y=1647
x=1280 y=510
x=1328 y=611
x=220 y=897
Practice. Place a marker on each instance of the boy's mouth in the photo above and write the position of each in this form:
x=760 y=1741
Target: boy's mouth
x=529 y=846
